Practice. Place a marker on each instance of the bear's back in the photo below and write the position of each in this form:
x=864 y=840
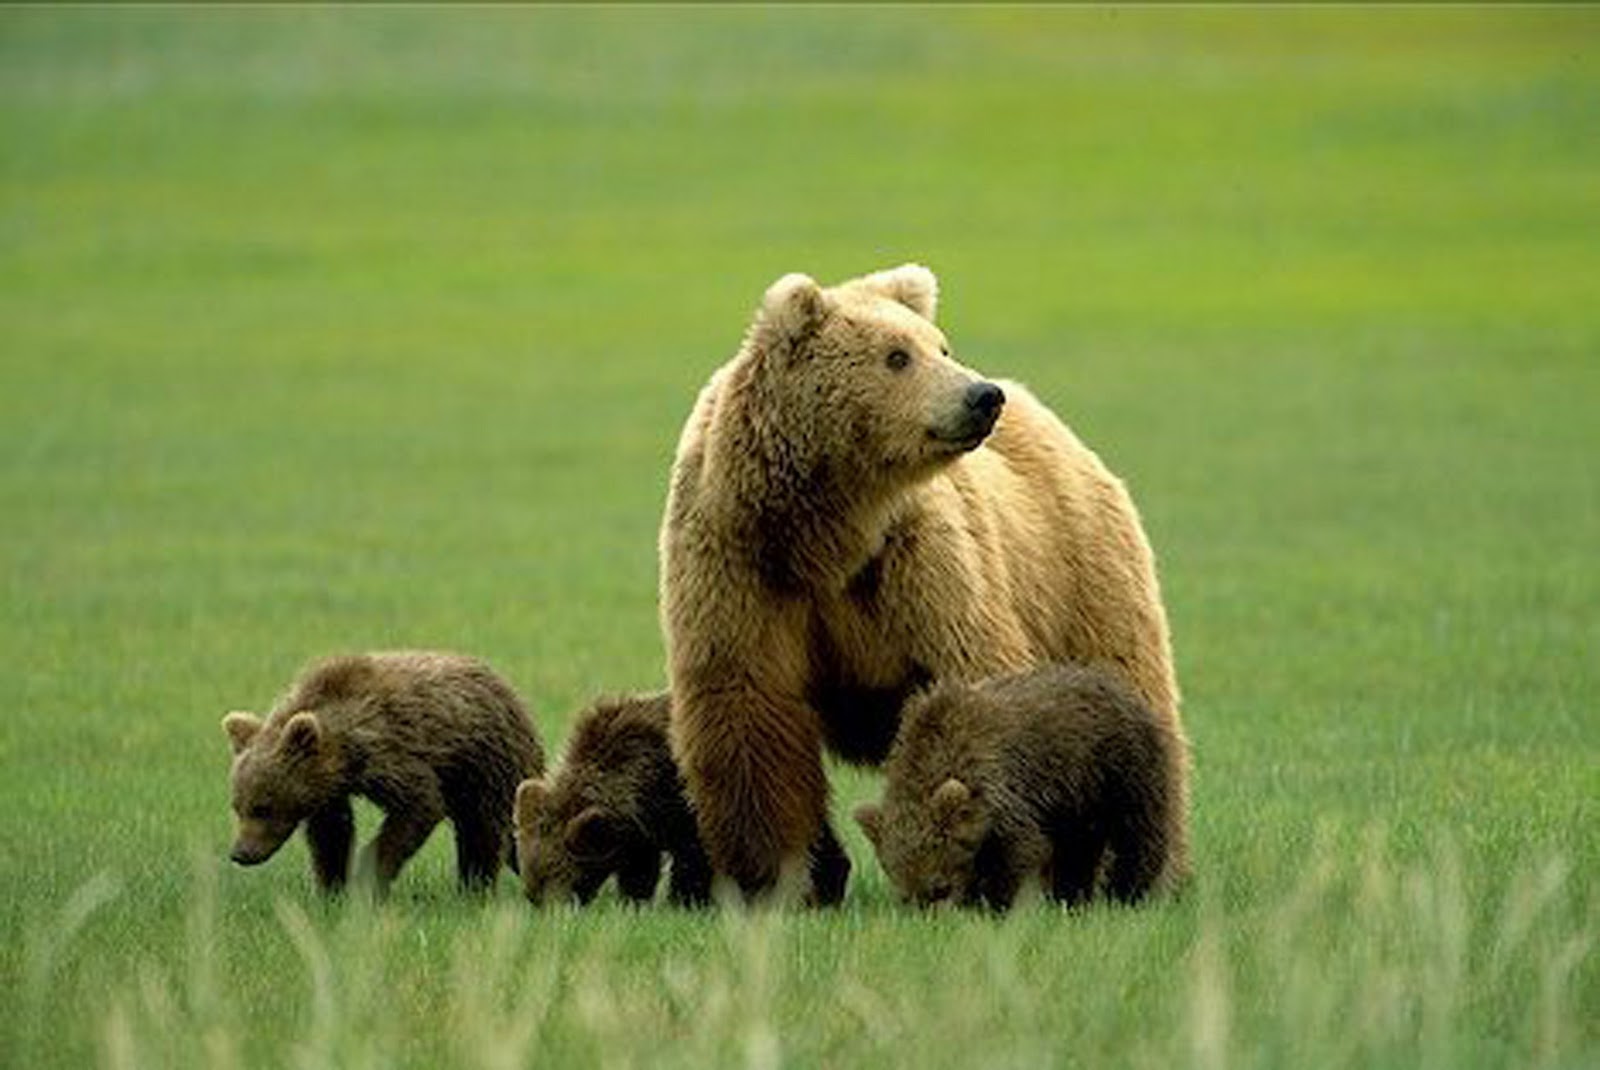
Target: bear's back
x=427 y=700
x=1065 y=723
x=617 y=732
x=619 y=757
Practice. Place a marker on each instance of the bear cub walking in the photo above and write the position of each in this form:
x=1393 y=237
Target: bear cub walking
x=1059 y=773
x=616 y=805
x=425 y=736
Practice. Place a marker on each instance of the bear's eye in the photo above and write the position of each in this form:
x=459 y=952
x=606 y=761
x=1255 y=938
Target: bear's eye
x=897 y=360
x=945 y=350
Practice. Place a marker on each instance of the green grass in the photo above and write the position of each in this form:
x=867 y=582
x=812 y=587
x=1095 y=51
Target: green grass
x=340 y=329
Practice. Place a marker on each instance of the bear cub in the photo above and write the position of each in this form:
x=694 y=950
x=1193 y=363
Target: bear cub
x=425 y=736
x=1058 y=773
x=616 y=805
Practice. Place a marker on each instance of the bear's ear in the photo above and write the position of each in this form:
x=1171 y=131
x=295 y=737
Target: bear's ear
x=241 y=728
x=953 y=793
x=951 y=797
x=792 y=310
x=592 y=834
x=302 y=736
x=955 y=805
x=870 y=817
x=910 y=284
x=531 y=796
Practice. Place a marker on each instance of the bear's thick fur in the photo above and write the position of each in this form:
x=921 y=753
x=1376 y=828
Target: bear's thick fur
x=853 y=514
x=616 y=804
x=1059 y=773
x=425 y=736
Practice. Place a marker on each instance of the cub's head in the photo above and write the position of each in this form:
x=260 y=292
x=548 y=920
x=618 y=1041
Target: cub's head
x=928 y=842
x=566 y=846
x=284 y=769
x=863 y=376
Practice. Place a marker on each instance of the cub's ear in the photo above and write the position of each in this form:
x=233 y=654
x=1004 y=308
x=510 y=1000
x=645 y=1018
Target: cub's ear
x=910 y=284
x=870 y=817
x=792 y=310
x=592 y=834
x=531 y=796
x=241 y=728
x=302 y=736
x=951 y=797
x=955 y=805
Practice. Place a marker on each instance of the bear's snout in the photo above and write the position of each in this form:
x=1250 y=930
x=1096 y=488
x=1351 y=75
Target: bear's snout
x=971 y=422
x=985 y=400
x=245 y=855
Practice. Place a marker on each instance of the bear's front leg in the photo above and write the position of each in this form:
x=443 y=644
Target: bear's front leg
x=830 y=869
x=1005 y=862
x=329 y=833
x=753 y=767
x=639 y=873
x=1075 y=862
x=690 y=882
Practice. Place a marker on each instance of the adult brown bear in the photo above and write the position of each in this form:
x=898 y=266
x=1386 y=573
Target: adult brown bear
x=853 y=514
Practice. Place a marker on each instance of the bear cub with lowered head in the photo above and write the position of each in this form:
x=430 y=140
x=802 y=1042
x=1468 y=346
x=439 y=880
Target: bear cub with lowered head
x=1060 y=773
x=616 y=805
x=425 y=736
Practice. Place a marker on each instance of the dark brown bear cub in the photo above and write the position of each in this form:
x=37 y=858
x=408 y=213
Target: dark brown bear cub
x=1059 y=773
x=616 y=805
x=424 y=736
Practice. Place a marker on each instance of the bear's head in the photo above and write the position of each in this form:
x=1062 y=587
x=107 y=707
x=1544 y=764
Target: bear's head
x=928 y=843
x=284 y=769
x=864 y=380
x=567 y=845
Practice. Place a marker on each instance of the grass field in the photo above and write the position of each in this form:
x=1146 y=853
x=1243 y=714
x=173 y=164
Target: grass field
x=340 y=329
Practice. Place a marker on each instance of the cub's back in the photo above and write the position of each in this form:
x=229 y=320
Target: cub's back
x=407 y=688
x=1083 y=724
x=1066 y=714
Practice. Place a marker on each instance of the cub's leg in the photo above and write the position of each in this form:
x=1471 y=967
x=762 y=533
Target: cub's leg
x=409 y=819
x=830 y=869
x=690 y=883
x=329 y=833
x=639 y=874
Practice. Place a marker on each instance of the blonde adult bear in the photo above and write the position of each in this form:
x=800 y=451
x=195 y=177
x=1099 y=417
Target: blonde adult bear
x=853 y=514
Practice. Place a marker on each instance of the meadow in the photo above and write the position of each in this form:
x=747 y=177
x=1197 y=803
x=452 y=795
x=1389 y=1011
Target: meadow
x=337 y=329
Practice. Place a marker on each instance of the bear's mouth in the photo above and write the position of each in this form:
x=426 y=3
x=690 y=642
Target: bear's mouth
x=963 y=439
x=248 y=855
x=967 y=427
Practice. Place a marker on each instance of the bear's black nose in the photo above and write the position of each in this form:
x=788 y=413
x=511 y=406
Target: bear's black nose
x=985 y=399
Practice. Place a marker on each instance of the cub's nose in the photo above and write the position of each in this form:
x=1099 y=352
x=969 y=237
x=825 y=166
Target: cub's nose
x=985 y=399
x=242 y=855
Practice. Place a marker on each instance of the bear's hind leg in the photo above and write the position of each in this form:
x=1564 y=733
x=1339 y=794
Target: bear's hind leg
x=1139 y=858
x=407 y=824
x=480 y=849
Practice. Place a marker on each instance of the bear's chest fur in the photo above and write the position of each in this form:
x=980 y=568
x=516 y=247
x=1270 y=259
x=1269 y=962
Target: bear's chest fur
x=862 y=669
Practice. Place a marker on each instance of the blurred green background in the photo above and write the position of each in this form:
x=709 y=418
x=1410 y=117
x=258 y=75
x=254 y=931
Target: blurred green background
x=328 y=329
